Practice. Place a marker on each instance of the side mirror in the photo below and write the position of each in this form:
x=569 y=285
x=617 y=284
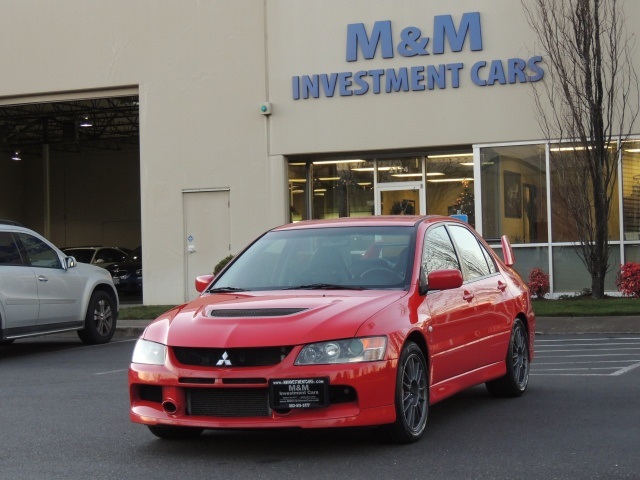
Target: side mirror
x=442 y=280
x=69 y=262
x=202 y=282
x=99 y=261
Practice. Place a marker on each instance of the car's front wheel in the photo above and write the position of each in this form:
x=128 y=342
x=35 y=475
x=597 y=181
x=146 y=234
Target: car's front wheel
x=174 y=433
x=514 y=382
x=100 y=320
x=411 y=397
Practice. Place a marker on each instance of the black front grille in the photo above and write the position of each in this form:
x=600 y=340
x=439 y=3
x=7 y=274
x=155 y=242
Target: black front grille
x=228 y=402
x=231 y=357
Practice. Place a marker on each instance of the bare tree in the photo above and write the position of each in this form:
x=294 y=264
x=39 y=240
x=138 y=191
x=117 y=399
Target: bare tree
x=590 y=99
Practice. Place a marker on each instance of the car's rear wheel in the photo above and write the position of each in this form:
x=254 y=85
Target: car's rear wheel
x=100 y=321
x=174 y=433
x=514 y=382
x=411 y=397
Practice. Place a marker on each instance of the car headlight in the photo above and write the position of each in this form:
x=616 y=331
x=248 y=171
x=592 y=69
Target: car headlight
x=151 y=353
x=366 y=349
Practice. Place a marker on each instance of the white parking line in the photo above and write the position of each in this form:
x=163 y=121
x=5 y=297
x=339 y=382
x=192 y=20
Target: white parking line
x=606 y=356
x=112 y=371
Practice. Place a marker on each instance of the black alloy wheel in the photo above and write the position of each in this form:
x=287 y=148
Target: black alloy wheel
x=514 y=382
x=100 y=320
x=411 y=398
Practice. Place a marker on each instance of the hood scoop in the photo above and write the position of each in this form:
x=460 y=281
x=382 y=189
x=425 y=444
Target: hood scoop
x=254 y=312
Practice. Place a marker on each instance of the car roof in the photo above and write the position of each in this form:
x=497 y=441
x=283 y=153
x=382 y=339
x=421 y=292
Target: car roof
x=10 y=222
x=370 y=221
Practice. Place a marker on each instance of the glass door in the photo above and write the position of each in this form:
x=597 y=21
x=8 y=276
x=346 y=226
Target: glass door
x=403 y=199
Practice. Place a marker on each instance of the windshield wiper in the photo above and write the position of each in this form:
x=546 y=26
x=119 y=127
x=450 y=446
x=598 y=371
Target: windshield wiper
x=322 y=286
x=225 y=290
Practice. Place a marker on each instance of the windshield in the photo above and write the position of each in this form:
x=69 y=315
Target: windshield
x=319 y=258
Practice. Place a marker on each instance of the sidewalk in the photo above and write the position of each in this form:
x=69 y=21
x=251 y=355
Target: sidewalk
x=544 y=325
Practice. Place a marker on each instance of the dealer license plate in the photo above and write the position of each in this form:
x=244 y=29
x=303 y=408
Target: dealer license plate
x=299 y=392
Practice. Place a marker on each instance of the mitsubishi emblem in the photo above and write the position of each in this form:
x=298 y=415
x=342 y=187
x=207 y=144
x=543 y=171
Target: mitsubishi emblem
x=224 y=360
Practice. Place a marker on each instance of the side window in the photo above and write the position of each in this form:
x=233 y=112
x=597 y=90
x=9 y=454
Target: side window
x=9 y=252
x=438 y=252
x=490 y=261
x=39 y=253
x=470 y=252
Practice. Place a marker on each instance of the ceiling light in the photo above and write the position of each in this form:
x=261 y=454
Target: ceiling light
x=451 y=155
x=434 y=174
x=86 y=121
x=406 y=175
x=327 y=162
x=16 y=155
x=442 y=180
x=632 y=150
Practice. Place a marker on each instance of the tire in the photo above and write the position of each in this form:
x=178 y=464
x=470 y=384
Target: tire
x=175 y=433
x=100 y=321
x=411 y=397
x=514 y=382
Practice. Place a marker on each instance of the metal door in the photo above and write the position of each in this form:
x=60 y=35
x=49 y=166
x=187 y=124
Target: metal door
x=207 y=238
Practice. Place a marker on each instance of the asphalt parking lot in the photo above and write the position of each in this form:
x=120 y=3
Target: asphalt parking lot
x=65 y=415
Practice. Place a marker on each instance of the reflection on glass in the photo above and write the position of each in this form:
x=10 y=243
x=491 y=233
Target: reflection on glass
x=631 y=190
x=571 y=193
x=403 y=169
x=297 y=192
x=514 y=193
x=450 y=185
x=570 y=274
x=342 y=188
x=400 y=202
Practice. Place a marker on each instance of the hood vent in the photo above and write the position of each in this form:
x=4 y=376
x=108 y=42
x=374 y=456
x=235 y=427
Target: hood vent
x=254 y=312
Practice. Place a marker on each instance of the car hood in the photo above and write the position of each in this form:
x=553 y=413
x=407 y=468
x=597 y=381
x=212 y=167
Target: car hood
x=268 y=319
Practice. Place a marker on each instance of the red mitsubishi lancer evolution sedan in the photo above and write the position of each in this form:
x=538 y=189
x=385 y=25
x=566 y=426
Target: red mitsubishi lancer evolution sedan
x=338 y=323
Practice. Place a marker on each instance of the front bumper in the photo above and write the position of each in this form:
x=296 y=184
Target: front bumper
x=361 y=394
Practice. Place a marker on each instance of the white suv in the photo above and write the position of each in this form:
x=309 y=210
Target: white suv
x=44 y=291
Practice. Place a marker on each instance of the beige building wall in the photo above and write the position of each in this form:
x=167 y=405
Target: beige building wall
x=201 y=69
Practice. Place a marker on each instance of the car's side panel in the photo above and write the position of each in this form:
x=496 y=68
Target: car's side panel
x=19 y=296
x=60 y=292
x=494 y=319
x=451 y=325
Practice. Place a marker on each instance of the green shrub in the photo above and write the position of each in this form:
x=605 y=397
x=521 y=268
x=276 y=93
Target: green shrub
x=221 y=264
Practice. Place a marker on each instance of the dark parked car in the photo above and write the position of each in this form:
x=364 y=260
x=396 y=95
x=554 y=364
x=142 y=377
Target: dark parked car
x=101 y=256
x=127 y=275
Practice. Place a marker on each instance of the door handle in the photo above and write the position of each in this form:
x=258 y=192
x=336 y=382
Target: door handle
x=468 y=296
x=502 y=286
x=42 y=278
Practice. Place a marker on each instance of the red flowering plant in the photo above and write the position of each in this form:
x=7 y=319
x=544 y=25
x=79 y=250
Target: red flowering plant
x=628 y=280
x=538 y=283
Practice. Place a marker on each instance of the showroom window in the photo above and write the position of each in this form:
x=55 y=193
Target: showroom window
x=514 y=193
x=342 y=188
x=631 y=190
x=569 y=178
x=450 y=184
